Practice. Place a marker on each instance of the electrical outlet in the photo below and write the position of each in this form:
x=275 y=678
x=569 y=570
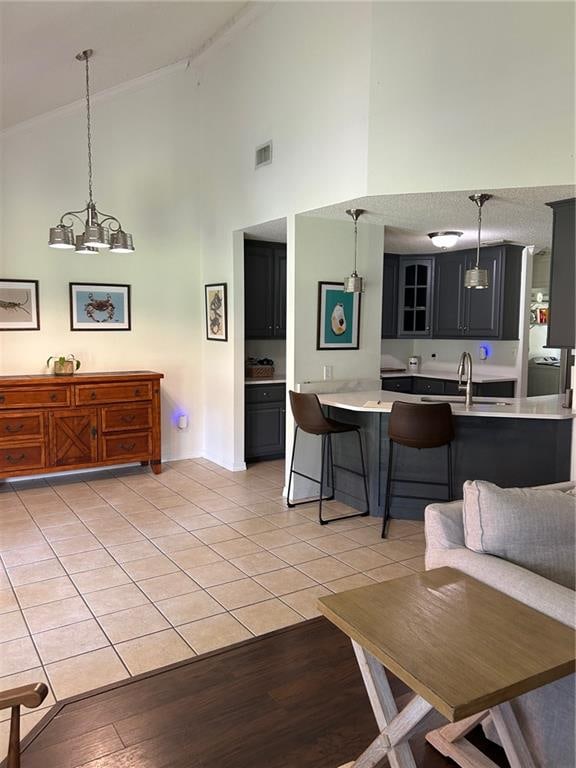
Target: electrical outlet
x=327 y=372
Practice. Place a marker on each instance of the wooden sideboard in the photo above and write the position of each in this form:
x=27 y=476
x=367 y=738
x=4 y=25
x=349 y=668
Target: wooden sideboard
x=59 y=423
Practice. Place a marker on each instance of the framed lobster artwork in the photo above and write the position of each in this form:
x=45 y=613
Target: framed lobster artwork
x=99 y=307
x=19 y=305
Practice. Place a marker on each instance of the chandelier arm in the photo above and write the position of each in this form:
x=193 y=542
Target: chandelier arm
x=109 y=217
x=75 y=214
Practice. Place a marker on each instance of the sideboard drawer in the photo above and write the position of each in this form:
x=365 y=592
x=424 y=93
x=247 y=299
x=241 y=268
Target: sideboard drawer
x=129 y=446
x=122 y=417
x=34 y=397
x=113 y=393
x=19 y=426
x=22 y=457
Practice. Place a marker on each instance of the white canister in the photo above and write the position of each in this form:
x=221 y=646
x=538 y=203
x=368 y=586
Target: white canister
x=414 y=364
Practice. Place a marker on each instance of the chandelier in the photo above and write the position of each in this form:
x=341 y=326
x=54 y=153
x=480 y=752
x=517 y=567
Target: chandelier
x=99 y=230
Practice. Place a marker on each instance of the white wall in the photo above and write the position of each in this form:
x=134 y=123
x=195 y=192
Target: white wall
x=299 y=75
x=142 y=170
x=466 y=95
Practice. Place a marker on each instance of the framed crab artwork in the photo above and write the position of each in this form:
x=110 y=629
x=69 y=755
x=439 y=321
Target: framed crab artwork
x=216 y=312
x=338 y=317
x=19 y=305
x=95 y=307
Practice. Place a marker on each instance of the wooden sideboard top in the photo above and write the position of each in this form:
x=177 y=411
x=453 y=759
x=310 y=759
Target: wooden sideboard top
x=85 y=378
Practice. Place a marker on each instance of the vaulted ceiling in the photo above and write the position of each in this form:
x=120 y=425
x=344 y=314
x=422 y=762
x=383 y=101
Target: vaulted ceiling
x=39 y=40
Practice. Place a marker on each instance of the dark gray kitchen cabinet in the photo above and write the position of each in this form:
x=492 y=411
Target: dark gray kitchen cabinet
x=390 y=296
x=490 y=313
x=265 y=421
x=561 y=320
x=264 y=290
x=415 y=281
x=424 y=385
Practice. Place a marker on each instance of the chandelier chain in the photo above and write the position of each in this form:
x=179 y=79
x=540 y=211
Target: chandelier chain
x=89 y=131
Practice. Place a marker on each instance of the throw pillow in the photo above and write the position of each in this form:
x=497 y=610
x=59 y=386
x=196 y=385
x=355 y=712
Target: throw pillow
x=531 y=527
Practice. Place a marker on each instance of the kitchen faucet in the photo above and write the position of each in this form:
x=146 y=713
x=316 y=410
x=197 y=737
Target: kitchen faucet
x=465 y=365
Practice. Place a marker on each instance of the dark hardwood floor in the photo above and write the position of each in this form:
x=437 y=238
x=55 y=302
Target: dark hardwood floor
x=292 y=699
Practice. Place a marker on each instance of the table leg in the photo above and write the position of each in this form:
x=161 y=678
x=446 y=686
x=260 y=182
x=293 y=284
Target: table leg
x=450 y=740
x=395 y=727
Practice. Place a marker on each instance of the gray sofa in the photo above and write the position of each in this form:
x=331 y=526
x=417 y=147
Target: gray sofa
x=546 y=715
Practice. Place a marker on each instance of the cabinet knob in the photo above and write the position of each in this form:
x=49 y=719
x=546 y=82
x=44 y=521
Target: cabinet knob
x=2 y=398
x=136 y=392
x=53 y=396
x=93 y=396
x=93 y=432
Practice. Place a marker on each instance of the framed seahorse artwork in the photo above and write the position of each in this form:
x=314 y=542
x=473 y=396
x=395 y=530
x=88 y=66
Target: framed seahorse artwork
x=19 y=305
x=216 y=312
x=96 y=307
x=338 y=317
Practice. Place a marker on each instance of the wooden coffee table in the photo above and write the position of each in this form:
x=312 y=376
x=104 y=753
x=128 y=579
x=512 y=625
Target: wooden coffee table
x=464 y=648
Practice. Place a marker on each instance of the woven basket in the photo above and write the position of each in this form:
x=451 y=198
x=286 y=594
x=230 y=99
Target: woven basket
x=259 y=371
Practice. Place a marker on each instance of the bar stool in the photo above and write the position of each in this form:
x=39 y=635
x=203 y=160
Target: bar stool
x=310 y=418
x=418 y=426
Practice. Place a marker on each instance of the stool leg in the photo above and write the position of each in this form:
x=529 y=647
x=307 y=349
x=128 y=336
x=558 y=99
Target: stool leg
x=450 y=478
x=388 y=490
x=330 y=477
x=363 y=473
x=322 y=466
x=291 y=469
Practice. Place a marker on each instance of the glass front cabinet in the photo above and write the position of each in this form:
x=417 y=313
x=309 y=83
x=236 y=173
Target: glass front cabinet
x=416 y=278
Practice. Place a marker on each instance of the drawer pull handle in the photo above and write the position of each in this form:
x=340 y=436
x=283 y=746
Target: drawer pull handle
x=93 y=396
x=136 y=392
x=53 y=396
x=2 y=399
x=93 y=431
x=12 y=429
x=15 y=459
x=128 y=418
x=128 y=446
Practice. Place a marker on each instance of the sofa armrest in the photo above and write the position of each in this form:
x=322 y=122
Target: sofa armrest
x=443 y=525
x=529 y=588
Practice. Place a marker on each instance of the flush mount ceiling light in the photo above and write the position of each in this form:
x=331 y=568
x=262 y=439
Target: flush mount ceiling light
x=354 y=283
x=476 y=277
x=98 y=233
x=446 y=239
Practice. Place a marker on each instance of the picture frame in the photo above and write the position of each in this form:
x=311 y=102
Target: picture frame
x=99 y=307
x=216 y=304
x=338 y=317
x=19 y=305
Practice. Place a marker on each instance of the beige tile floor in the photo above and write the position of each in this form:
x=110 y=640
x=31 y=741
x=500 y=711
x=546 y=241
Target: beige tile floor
x=112 y=574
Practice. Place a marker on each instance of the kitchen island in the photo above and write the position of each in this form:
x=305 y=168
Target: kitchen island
x=508 y=441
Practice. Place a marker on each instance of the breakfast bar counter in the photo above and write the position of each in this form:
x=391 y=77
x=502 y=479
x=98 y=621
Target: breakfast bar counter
x=507 y=441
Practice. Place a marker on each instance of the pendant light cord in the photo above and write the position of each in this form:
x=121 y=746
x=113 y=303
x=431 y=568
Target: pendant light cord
x=355 y=243
x=479 y=203
x=89 y=132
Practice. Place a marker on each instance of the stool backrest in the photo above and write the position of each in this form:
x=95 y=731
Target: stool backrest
x=421 y=426
x=308 y=413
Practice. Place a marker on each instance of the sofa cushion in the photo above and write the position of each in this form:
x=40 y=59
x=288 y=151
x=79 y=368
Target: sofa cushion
x=533 y=528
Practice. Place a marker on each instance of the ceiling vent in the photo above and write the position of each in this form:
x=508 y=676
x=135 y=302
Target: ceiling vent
x=264 y=154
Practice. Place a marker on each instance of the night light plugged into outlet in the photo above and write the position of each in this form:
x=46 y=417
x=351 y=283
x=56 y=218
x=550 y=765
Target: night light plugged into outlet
x=182 y=421
x=484 y=352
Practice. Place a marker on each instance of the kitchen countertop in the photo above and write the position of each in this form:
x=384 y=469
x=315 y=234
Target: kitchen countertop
x=542 y=407
x=477 y=378
x=272 y=380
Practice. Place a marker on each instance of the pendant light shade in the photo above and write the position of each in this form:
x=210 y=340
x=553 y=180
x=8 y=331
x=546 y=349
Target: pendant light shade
x=354 y=283
x=100 y=230
x=61 y=236
x=446 y=239
x=477 y=277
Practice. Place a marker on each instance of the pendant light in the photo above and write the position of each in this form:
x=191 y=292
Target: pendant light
x=354 y=283
x=476 y=277
x=446 y=239
x=98 y=233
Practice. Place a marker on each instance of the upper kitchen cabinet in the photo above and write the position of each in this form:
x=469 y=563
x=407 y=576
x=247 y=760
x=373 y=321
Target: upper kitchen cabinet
x=390 y=296
x=490 y=313
x=415 y=281
x=561 y=319
x=264 y=289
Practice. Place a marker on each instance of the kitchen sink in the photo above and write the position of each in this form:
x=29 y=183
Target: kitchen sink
x=462 y=400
